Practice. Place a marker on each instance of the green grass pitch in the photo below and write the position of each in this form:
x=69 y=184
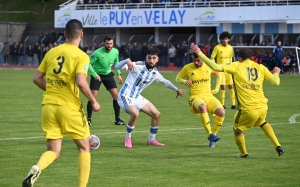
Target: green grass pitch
x=185 y=161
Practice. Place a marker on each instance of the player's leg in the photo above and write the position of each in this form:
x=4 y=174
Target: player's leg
x=268 y=130
x=74 y=125
x=84 y=161
x=215 y=107
x=243 y=120
x=111 y=86
x=52 y=131
x=229 y=82
x=152 y=111
x=222 y=89
x=128 y=105
x=94 y=86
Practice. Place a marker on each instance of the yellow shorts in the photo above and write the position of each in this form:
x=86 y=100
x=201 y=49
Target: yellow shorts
x=226 y=79
x=245 y=119
x=59 y=120
x=209 y=100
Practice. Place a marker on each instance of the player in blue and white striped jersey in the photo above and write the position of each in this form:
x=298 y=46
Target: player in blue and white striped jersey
x=130 y=98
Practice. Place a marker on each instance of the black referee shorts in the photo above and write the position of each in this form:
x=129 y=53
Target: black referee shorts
x=108 y=81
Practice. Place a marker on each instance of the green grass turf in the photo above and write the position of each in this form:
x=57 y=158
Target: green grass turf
x=185 y=161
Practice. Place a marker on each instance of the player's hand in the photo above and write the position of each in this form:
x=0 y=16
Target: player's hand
x=130 y=65
x=188 y=83
x=215 y=91
x=276 y=70
x=98 y=78
x=96 y=106
x=180 y=93
x=195 y=49
x=120 y=79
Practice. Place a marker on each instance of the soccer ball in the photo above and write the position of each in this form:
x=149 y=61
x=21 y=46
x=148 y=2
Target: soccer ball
x=94 y=142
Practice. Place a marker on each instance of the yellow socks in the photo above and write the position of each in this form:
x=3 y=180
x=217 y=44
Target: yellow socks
x=46 y=159
x=268 y=130
x=222 y=97
x=241 y=143
x=205 y=122
x=232 y=97
x=217 y=124
x=84 y=167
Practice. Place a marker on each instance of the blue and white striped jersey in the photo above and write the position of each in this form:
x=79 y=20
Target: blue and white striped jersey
x=139 y=78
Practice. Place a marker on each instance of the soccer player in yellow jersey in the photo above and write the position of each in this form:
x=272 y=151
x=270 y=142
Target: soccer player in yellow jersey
x=252 y=103
x=197 y=76
x=61 y=75
x=223 y=54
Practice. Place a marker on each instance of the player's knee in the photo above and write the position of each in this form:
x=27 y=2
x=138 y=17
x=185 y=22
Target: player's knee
x=156 y=115
x=220 y=112
x=134 y=114
x=202 y=108
x=236 y=133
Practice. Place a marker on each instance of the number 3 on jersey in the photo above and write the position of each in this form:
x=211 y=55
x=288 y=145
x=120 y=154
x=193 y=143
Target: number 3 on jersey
x=61 y=60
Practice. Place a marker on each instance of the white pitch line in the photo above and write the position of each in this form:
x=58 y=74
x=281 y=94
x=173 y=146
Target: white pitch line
x=293 y=118
x=106 y=133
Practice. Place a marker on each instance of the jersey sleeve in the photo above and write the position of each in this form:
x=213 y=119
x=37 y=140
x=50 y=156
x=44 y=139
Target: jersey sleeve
x=214 y=53
x=92 y=61
x=180 y=78
x=231 y=69
x=83 y=64
x=160 y=79
x=42 y=66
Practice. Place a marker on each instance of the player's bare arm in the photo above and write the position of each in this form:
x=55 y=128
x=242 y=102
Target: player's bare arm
x=39 y=80
x=84 y=88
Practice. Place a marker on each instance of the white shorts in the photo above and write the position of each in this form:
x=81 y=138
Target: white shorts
x=125 y=101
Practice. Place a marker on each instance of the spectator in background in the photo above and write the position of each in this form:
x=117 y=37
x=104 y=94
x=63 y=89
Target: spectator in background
x=11 y=51
x=37 y=52
x=272 y=62
x=1 y=53
x=52 y=36
x=265 y=59
x=160 y=60
x=89 y=51
x=30 y=55
x=164 y=55
x=172 y=54
x=179 y=56
x=95 y=46
x=287 y=64
x=144 y=50
x=41 y=37
x=294 y=62
x=15 y=50
x=6 y=53
x=124 y=51
x=135 y=53
x=21 y=54
x=205 y=49
x=85 y=48
x=279 y=55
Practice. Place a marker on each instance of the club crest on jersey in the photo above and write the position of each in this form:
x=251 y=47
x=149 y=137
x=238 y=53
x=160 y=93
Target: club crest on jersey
x=111 y=63
x=86 y=67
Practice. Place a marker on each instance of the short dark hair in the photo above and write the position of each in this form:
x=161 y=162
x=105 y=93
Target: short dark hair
x=108 y=37
x=244 y=54
x=224 y=34
x=73 y=29
x=195 y=55
x=153 y=51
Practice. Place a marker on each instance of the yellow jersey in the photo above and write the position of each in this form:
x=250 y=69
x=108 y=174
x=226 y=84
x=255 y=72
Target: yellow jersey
x=248 y=78
x=222 y=55
x=61 y=64
x=200 y=78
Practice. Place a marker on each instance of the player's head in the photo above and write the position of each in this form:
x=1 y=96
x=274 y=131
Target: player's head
x=244 y=54
x=224 y=37
x=152 y=57
x=108 y=42
x=279 y=42
x=198 y=62
x=74 y=29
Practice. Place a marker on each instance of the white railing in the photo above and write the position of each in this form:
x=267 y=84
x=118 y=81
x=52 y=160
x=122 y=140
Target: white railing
x=191 y=4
